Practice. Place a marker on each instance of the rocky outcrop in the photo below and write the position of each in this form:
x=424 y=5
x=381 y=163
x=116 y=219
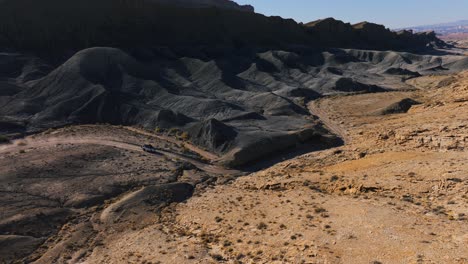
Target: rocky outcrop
x=400 y=71
x=401 y=106
x=213 y=134
x=367 y=35
x=351 y=86
x=332 y=32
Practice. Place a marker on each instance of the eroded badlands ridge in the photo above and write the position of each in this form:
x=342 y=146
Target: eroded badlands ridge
x=240 y=105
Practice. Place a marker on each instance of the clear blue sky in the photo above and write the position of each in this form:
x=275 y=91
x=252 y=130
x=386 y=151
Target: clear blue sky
x=391 y=13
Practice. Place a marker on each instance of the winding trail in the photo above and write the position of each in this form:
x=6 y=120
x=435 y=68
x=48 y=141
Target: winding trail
x=28 y=143
x=314 y=108
x=203 y=153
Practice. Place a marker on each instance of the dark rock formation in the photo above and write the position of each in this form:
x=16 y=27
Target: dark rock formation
x=332 y=32
x=401 y=106
x=365 y=35
x=404 y=72
x=213 y=134
x=74 y=25
x=351 y=86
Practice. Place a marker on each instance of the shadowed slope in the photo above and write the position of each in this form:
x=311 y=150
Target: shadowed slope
x=241 y=105
x=57 y=28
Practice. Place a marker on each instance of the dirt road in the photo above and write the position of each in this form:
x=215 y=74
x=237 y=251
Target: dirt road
x=314 y=108
x=31 y=143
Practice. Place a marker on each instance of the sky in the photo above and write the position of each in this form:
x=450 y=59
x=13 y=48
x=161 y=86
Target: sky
x=392 y=14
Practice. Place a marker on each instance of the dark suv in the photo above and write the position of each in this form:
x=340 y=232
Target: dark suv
x=149 y=148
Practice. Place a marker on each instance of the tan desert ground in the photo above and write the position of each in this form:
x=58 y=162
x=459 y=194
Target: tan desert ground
x=395 y=192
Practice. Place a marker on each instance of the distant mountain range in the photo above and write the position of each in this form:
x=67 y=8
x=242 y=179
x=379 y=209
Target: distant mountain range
x=336 y=33
x=444 y=28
